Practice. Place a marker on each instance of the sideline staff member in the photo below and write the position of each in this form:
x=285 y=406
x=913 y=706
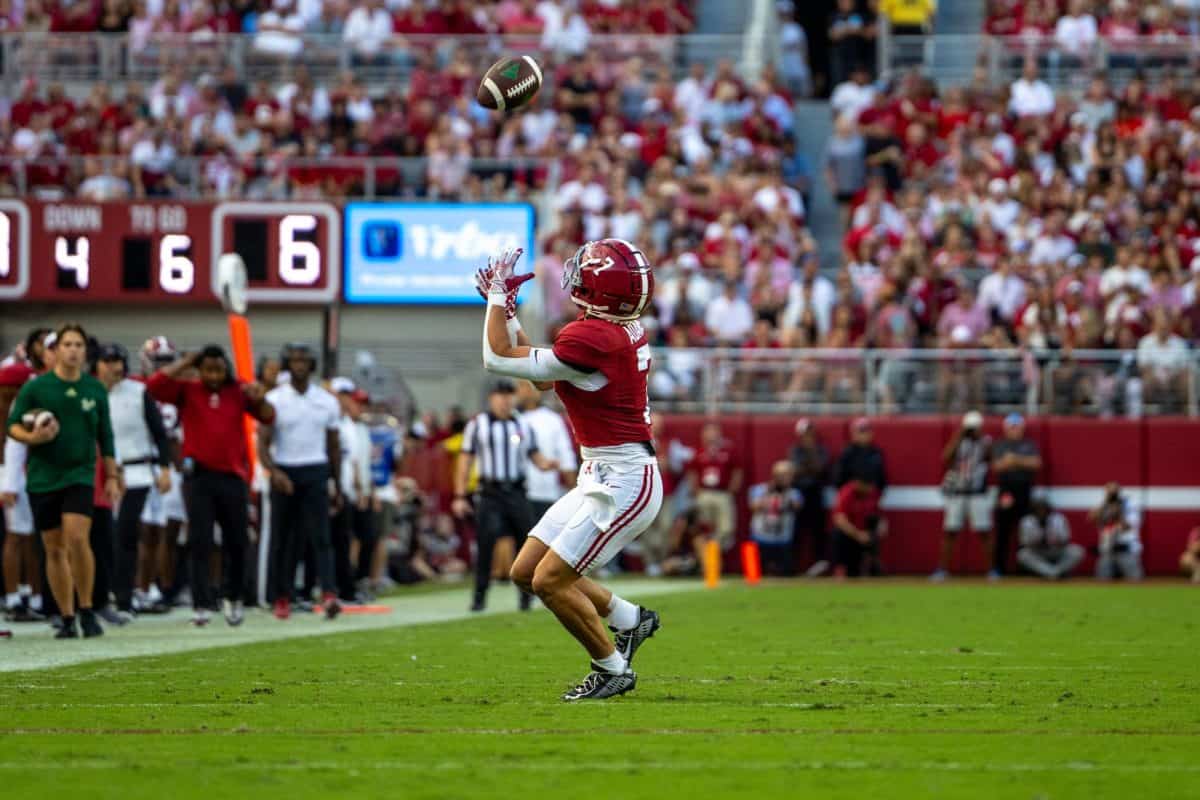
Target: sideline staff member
x=502 y=444
x=302 y=454
x=215 y=467
x=141 y=441
x=61 y=472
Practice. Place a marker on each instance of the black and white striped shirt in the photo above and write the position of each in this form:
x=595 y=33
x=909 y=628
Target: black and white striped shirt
x=502 y=447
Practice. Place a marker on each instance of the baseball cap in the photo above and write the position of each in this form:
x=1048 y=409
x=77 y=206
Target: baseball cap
x=1013 y=420
x=860 y=424
x=342 y=385
x=112 y=352
x=972 y=419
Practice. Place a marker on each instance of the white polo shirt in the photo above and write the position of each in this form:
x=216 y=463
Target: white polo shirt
x=301 y=423
x=554 y=442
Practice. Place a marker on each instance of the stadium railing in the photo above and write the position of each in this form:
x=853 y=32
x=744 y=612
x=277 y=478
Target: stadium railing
x=952 y=59
x=873 y=381
x=366 y=178
x=113 y=58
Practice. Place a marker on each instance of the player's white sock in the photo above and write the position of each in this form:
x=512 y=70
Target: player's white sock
x=35 y=602
x=24 y=589
x=614 y=663
x=622 y=614
x=12 y=599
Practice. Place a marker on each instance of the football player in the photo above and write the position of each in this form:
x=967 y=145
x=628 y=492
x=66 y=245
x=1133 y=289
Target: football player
x=598 y=366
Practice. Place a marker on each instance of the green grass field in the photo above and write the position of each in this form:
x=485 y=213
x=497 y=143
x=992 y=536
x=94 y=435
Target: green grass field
x=891 y=690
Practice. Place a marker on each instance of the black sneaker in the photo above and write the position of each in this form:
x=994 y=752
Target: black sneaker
x=478 y=605
x=629 y=641
x=89 y=624
x=524 y=601
x=66 y=629
x=600 y=685
x=24 y=614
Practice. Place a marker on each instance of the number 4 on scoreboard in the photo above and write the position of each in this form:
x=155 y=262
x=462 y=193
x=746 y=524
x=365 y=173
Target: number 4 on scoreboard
x=72 y=258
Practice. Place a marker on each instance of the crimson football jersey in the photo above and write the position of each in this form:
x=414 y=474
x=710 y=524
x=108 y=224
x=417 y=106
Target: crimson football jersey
x=619 y=411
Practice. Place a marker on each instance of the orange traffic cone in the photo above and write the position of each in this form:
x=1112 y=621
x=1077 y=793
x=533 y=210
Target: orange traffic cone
x=712 y=563
x=751 y=562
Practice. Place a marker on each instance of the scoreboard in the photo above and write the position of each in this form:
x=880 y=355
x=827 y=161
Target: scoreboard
x=155 y=252
x=158 y=252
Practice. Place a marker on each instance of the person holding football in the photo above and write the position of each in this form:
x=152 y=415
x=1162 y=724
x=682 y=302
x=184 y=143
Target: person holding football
x=599 y=366
x=61 y=471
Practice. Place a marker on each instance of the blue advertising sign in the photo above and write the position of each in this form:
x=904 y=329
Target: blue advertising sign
x=428 y=252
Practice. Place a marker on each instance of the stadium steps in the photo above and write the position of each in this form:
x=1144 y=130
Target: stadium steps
x=814 y=128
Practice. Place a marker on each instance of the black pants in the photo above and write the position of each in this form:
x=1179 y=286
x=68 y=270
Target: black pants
x=810 y=522
x=211 y=498
x=297 y=519
x=129 y=517
x=364 y=531
x=1007 y=522
x=848 y=553
x=498 y=513
x=100 y=538
x=341 y=529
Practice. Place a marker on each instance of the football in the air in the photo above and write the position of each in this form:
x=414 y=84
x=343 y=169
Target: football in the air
x=36 y=418
x=510 y=83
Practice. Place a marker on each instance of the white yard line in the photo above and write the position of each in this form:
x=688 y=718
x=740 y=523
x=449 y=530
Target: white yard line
x=34 y=648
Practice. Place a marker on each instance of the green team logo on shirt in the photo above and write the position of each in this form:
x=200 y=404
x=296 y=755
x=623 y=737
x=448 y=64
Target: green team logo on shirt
x=88 y=404
x=511 y=71
x=71 y=392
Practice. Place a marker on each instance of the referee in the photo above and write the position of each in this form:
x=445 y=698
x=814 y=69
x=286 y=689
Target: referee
x=502 y=445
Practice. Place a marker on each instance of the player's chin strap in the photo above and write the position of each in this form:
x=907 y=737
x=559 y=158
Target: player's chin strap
x=540 y=365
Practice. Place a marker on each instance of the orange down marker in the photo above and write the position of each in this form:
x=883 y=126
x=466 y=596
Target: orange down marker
x=751 y=562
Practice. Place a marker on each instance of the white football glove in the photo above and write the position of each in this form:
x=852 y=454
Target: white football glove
x=502 y=268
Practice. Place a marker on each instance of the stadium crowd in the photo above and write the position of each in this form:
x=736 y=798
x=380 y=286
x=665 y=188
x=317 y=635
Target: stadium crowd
x=1015 y=216
x=299 y=136
x=1074 y=26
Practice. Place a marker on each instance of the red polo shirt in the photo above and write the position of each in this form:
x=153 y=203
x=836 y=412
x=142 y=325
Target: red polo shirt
x=213 y=436
x=714 y=469
x=858 y=508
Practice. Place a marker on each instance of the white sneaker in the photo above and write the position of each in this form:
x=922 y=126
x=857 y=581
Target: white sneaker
x=154 y=596
x=818 y=569
x=200 y=618
x=233 y=612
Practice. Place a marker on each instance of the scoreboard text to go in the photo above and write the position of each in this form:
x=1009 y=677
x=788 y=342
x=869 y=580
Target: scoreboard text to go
x=143 y=252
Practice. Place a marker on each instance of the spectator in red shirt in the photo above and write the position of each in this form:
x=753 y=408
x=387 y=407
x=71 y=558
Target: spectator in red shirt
x=857 y=529
x=716 y=478
x=215 y=466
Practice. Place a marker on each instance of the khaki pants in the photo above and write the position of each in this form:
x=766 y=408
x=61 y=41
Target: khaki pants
x=656 y=540
x=716 y=508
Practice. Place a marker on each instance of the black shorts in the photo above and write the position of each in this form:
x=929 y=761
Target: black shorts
x=49 y=507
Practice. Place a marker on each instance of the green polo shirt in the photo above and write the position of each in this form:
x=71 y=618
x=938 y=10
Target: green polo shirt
x=81 y=407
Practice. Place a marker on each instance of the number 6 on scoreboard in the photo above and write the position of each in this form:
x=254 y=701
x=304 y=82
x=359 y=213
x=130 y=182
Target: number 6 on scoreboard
x=292 y=250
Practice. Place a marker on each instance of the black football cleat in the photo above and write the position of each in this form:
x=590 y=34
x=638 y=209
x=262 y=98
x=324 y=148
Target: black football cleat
x=89 y=624
x=67 y=629
x=600 y=685
x=628 y=642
